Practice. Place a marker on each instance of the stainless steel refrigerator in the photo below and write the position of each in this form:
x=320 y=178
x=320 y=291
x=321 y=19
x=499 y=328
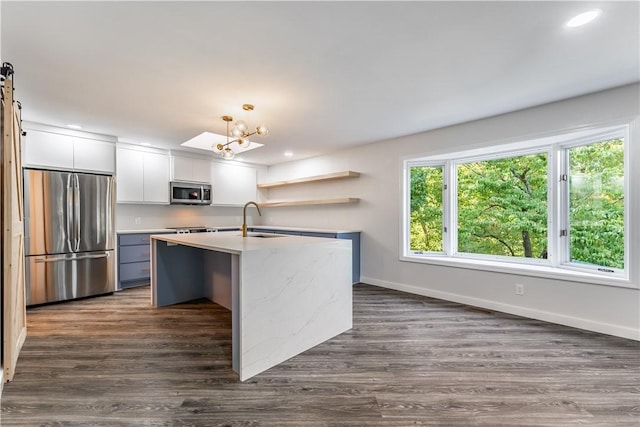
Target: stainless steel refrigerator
x=69 y=235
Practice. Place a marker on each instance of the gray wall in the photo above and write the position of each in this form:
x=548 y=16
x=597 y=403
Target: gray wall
x=607 y=309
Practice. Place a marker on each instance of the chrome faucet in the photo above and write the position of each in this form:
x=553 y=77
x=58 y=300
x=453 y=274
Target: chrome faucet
x=244 y=216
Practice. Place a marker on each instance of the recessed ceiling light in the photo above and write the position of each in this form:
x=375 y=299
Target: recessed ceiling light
x=288 y=153
x=583 y=18
x=74 y=126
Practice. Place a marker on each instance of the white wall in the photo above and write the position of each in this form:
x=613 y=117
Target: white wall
x=607 y=309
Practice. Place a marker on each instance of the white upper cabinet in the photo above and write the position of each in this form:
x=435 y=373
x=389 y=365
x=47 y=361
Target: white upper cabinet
x=58 y=151
x=91 y=155
x=202 y=170
x=129 y=175
x=156 y=178
x=190 y=169
x=233 y=185
x=142 y=177
x=48 y=149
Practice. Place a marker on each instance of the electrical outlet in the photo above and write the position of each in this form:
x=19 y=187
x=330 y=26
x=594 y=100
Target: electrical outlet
x=519 y=289
x=138 y=220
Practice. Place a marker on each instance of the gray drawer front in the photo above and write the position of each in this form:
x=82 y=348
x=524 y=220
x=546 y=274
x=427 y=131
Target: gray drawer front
x=134 y=253
x=135 y=271
x=134 y=239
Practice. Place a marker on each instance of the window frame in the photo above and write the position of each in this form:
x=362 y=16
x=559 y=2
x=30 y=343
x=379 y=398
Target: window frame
x=407 y=207
x=454 y=197
x=557 y=264
x=564 y=212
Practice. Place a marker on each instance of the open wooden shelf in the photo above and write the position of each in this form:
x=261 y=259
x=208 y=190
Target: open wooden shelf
x=311 y=202
x=309 y=179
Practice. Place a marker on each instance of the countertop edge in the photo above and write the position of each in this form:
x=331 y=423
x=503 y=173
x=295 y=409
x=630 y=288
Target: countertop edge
x=313 y=230
x=234 y=227
x=236 y=244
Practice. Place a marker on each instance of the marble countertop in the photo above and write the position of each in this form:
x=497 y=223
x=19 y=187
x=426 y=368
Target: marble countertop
x=236 y=244
x=315 y=230
x=232 y=227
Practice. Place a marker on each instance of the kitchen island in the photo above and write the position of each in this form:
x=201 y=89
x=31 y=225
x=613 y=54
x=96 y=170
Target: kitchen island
x=286 y=294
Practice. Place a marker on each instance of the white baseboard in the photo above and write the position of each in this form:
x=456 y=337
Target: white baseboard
x=561 y=319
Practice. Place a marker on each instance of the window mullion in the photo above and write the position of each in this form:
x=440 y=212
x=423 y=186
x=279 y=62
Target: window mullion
x=450 y=209
x=561 y=232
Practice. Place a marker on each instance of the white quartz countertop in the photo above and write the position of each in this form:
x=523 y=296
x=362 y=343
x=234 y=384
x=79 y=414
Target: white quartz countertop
x=314 y=230
x=231 y=227
x=234 y=242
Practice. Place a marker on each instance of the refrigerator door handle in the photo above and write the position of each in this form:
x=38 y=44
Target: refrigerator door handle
x=69 y=216
x=41 y=260
x=76 y=212
x=104 y=255
x=58 y=259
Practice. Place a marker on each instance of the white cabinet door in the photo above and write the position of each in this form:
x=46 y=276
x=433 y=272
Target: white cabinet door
x=48 y=150
x=201 y=170
x=129 y=175
x=189 y=169
x=232 y=184
x=57 y=151
x=142 y=177
x=94 y=156
x=182 y=168
x=156 y=178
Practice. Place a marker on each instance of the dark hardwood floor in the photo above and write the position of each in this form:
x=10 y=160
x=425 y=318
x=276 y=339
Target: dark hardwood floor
x=409 y=360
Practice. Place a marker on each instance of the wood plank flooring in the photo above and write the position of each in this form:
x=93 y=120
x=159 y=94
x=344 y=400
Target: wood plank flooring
x=409 y=360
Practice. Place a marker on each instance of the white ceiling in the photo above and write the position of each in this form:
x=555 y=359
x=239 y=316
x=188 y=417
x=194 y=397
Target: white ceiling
x=323 y=75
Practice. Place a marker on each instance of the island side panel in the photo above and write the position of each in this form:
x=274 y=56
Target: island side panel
x=218 y=277
x=292 y=299
x=176 y=273
x=235 y=312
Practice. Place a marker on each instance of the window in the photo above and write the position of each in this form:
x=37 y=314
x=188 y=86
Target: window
x=554 y=203
x=502 y=206
x=426 y=208
x=596 y=205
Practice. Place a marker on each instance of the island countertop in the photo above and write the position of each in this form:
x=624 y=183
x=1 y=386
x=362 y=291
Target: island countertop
x=302 y=229
x=234 y=243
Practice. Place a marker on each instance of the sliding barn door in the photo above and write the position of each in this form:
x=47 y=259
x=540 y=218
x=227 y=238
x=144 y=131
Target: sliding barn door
x=14 y=318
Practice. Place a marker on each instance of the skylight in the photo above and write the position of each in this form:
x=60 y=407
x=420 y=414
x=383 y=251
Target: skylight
x=208 y=140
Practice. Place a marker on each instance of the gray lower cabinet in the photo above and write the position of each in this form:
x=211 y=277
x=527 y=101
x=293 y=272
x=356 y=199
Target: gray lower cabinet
x=354 y=237
x=134 y=260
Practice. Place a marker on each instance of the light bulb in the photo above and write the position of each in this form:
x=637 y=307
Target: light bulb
x=218 y=147
x=228 y=154
x=243 y=143
x=237 y=132
x=262 y=130
x=241 y=125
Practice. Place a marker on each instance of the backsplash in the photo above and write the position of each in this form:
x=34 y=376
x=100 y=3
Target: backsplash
x=143 y=217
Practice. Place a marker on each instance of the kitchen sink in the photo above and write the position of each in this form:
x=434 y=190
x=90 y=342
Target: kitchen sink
x=265 y=236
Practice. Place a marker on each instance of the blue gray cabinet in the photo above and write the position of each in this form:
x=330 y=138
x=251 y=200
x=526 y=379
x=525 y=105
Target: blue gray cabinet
x=134 y=255
x=354 y=237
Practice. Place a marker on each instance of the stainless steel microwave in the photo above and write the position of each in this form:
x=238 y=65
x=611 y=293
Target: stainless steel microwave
x=184 y=193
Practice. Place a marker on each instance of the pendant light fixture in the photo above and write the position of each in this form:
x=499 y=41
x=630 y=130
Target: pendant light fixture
x=238 y=134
